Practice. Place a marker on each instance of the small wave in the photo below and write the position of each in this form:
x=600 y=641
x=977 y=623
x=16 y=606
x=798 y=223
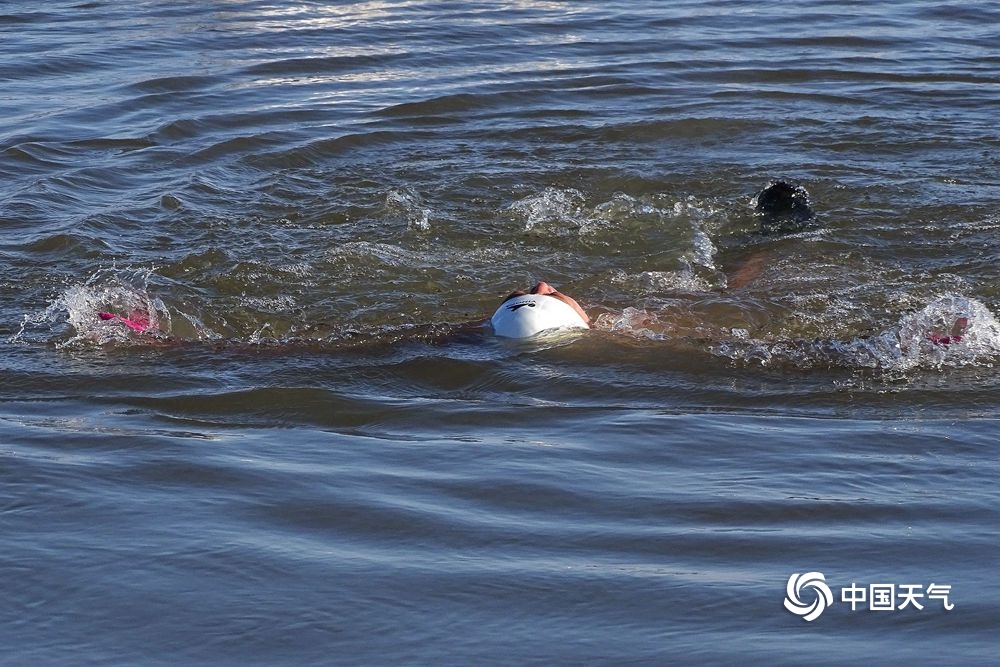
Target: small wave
x=680 y=228
x=362 y=253
x=408 y=203
x=686 y=223
x=621 y=208
x=653 y=282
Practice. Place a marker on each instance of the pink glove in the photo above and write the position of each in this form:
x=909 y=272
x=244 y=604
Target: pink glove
x=138 y=321
x=956 y=333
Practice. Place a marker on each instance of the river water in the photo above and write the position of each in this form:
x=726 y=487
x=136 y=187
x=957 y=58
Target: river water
x=313 y=461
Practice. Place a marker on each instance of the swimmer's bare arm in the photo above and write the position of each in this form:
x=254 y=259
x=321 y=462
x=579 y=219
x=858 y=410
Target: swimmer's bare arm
x=748 y=270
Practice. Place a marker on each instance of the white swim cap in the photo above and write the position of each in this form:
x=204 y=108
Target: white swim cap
x=529 y=314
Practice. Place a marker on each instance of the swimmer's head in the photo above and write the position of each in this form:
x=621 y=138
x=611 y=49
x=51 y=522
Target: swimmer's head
x=783 y=208
x=542 y=308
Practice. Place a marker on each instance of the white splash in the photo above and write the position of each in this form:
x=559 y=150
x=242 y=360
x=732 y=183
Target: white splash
x=632 y=321
x=978 y=337
x=410 y=204
x=950 y=331
x=553 y=205
x=113 y=290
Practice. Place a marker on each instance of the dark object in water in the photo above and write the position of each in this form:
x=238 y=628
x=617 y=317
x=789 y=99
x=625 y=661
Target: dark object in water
x=783 y=208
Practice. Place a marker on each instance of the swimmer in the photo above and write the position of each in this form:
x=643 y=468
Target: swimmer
x=542 y=308
x=780 y=208
x=520 y=315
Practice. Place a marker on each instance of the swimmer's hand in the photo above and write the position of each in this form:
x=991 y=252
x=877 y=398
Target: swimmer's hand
x=956 y=333
x=137 y=321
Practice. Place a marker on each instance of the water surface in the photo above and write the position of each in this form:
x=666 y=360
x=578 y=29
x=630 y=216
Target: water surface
x=314 y=463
